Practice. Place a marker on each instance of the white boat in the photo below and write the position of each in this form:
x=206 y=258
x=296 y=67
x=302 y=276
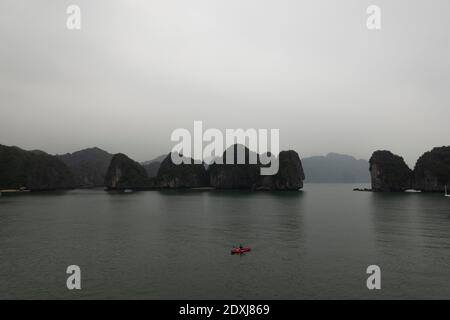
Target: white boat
x=127 y=190
x=446 y=194
x=413 y=191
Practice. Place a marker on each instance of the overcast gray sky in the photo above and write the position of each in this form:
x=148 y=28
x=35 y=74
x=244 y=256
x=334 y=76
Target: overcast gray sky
x=139 y=69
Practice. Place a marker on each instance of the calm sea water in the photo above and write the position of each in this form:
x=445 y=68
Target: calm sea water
x=176 y=245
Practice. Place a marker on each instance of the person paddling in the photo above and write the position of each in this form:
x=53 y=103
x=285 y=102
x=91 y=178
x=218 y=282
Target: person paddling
x=239 y=249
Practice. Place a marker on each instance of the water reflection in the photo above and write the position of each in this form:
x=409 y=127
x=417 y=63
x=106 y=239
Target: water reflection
x=176 y=244
x=412 y=234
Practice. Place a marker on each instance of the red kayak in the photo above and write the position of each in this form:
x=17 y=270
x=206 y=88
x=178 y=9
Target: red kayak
x=239 y=250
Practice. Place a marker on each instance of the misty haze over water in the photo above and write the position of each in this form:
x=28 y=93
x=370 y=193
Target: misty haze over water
x=138 y=70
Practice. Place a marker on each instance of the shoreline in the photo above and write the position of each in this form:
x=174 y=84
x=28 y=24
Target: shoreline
x=5 y=191
x=199 y=189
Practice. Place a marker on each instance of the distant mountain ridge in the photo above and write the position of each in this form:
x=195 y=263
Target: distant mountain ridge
x=152 y=166
x=336 y=168
x=157 y=159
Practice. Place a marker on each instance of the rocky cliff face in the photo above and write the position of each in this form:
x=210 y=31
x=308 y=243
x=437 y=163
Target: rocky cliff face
x=185 y=175
x=88 y=166
x=290 y=174
x=389 y=172
x=234 y=176
x=432 y=170
x=125 y=173
x=33 y=170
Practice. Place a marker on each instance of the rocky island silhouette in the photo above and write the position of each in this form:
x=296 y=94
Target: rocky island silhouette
x=38 y=171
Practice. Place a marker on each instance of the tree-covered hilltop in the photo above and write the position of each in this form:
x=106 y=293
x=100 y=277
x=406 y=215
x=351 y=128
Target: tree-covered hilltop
x=432 y=170
x=389 y=172
x=32 y=170
x=88 y=166
x=289 y=176
x=125 y=173
x=185 y=175
x=431 y=173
